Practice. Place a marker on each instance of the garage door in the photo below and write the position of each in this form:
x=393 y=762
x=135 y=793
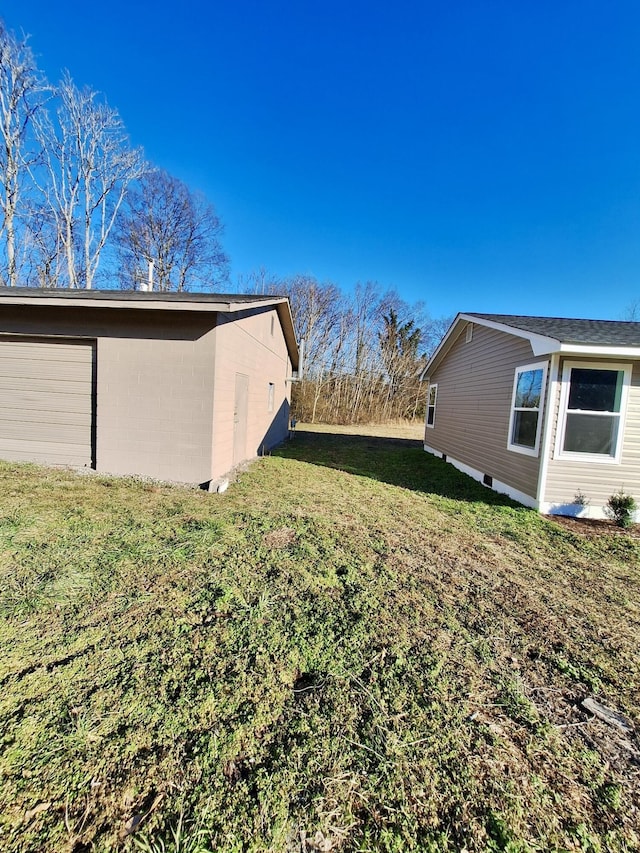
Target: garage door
x=46 y=401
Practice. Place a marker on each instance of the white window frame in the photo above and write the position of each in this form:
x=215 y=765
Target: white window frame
x=598 y=458
x=525 y=368
x=435 y=402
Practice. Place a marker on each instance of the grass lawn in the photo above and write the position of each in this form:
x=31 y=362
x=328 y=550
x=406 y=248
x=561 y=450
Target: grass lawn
x=354 y=648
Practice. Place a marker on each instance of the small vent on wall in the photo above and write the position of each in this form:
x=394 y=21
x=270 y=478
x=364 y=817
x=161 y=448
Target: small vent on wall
x=469 y=332
x=487 y=480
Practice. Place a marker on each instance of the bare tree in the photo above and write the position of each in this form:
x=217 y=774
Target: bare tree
x=364 y=353
x=21 y=90
x=433 y=331
x=316 y=309
x=260 y=282
x=89 y=165
x=165 y=224
x=44 y=256
x=399 y=343
x=632 y=311
x=366 y=311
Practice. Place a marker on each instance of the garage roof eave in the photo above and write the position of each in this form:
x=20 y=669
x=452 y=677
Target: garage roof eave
x=227 y=303
x=137 y=299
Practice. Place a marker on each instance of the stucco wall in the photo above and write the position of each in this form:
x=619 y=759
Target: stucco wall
x=475 y=387
x=245 y=344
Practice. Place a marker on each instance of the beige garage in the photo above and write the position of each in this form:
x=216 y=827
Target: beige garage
x=46 y=401
x=173 y=386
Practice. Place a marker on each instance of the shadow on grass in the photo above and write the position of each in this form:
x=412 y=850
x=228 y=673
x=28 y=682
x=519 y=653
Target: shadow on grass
x=397 y=461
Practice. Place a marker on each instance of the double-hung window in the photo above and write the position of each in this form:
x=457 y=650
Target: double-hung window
x=431 y=405
x=526 y=408
x=592 y=407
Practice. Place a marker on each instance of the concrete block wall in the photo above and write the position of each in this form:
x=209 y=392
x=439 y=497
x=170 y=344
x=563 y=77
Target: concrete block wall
x=165 y=383
x=245 y=343
x=154 y=403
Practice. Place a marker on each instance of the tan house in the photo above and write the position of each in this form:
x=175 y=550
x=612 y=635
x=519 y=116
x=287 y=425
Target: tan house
x=542 y=409
x=174 y=386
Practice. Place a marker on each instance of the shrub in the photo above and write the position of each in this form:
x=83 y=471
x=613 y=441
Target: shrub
x=581 y=499
x=620 y=508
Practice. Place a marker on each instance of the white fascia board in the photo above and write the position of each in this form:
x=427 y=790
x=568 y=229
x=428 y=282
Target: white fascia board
x=540 y=344
x=600 y=351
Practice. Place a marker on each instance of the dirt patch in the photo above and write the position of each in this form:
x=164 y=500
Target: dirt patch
x=592 y=527
x=280 y=538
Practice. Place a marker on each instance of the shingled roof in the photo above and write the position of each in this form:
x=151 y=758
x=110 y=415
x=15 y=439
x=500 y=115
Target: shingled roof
x=568 y=331
x=603 y=338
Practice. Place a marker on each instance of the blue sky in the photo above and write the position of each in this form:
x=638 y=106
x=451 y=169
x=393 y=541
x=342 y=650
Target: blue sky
x=477 y=156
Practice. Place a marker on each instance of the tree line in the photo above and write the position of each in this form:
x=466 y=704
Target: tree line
x=364 y=351
x=80 y=207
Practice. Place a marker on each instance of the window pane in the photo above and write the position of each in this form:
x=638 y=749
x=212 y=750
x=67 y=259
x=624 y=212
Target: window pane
x=595 y=390
x=525 y=425
x=529 y=389
x=591 y=434
x=431 y=412
x=432 y=395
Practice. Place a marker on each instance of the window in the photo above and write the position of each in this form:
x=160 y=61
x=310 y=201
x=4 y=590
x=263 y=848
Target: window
x=469 y=334
x=431 y=405
x=592 y=406
x=271 y=397
x=526 y=408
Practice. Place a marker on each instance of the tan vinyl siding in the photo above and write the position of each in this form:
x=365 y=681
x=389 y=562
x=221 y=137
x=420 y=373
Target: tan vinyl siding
x=597 y=480
x=245 y=345
x=46 y=401
x=475 y=387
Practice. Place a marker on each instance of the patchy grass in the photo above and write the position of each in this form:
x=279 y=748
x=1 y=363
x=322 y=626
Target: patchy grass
x=354 y=648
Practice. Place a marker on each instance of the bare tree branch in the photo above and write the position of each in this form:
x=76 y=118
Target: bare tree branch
x=89 y=165
x=179 y=232
x=21 y=90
